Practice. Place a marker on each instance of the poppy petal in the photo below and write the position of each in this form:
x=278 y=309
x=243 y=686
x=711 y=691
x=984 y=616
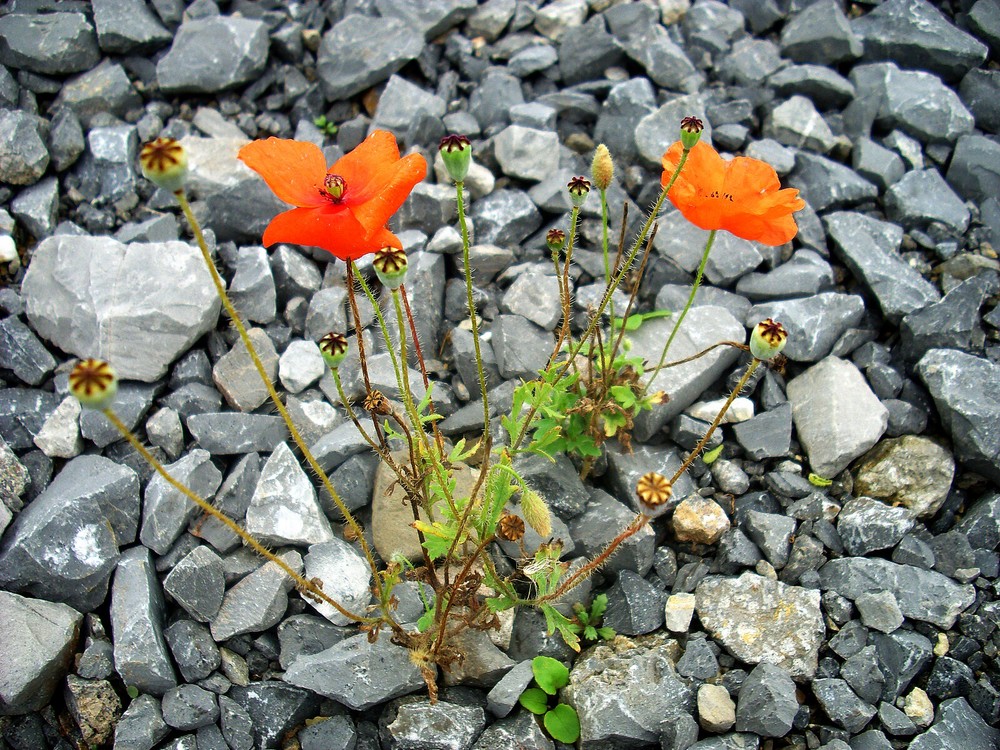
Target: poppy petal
x=365 y=168
x=396 y=186
x=747 y=179
x=294 y=170
x=333 y=229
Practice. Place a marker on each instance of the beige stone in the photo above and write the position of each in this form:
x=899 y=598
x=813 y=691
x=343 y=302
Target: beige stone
x=912 y=471
x=699 y=520
x=716 y=710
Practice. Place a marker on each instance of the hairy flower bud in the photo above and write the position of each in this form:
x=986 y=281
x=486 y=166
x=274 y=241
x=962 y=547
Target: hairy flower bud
x=579 y=188
x=456 y=153
x=691 y=128
x=390 y=266
x=94 y=384
x=536 y=513
x=768 y=339
x=333 y=348
x=602 y=168
x=164 y=162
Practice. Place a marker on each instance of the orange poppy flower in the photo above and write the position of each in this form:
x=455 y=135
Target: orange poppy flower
x=343 y=209
x=741 y=196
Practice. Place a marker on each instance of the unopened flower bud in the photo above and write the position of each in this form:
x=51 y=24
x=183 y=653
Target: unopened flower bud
x=456 y=153
x=536 y=513
x=390 y=266
x=691 y=128
x=579 y=188
x=94 y=384
x=555 y=239
x=602 y=169
x=164 y=162
x=653 y=491
x=768 y=339
x=333 y=348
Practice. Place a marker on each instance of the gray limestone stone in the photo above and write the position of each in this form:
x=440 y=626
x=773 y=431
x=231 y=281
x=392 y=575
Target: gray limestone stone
x=740 y=615
x=657 y=130
x=866 y=525
x=957 y=725
x=165 y=431
x=138 y=306
x=213 y=54
x=237 y=378
x=125 y=26
x=252 y=286
x=974 y=170
x=665 y=62
x=48 y=43
x=876 y=163
x=879 y=611
x=131 y=404
x=527 y=153
x=916 y=34
x=300 y=366
x=623 y=690
x=603 y=518
x=284 y=508
x=961 y=385
x=772 y=533
x=750 y=62
x=805 y=273
x=814 y=324
x=188 y=707
x=842 y=705
x=684 y=384
x=923 y=197
x=141 y=727
x=430 y=18
x=345 y=575
x=197 y=583
x=352 y=56
x=23 y=353
x=504 y=217
x=166 y=511
x=39 y=640
x=229 y=433
x=502 y=699
x=766 y=702
x=357 y=673
x=36 y=207
x=922 y=594
x=257 y=602
x=836 y=415
x=104 y=89
x=402 y=103
x=825 y=86
x=491 y=18
x=408 y=722
x=820 y=33
x=797 y=123
x=825 y=184
x=766 y=435
x=24 y=156
x=193 y=650
x=534 y=296
x=587 y=50
x=60 y=433
x=141 y=657
x=635 y=607
x=64 y=545
x=521 y=347
x=683 y=243
x=912 y=471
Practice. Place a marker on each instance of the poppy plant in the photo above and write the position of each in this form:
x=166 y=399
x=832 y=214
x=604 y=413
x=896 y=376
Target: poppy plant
x=741 y=196
x=343 y=209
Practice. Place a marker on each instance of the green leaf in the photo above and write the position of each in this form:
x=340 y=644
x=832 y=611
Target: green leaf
x=623 y=395
x=500 y=603
x=606 y=633
x=817 y=481
x=534 y=700
x=133 y=691
x=438 y=537
x=556 y=620
x=563 y=724
x=550 y=674
x=710 y=456
x=425 y=621
x=590 y=633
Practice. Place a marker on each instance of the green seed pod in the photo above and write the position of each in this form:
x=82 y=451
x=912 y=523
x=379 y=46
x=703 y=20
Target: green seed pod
x=164 y=163
x=333 y=348
x=555 y=239
x=579 y=189
x=456 y=152
x=768 y=339
x=94 y=384
x=390 y=267
x=691 y=128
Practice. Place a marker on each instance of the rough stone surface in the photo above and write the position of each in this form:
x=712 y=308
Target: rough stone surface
x=214 y=53
x=351 y=57
x=911 y=470
x=137 y=306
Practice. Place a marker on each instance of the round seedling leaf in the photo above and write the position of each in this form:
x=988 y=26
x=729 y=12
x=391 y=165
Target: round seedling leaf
x=550 y=674
x=563 y=724
x=534 y=700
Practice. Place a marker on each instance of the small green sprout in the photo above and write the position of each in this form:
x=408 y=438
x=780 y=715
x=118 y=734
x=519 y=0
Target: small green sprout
x=326 y=126
x=817 y=481
x=590 y=620
x=133 y=691
x=710 y=456
x=560 y=721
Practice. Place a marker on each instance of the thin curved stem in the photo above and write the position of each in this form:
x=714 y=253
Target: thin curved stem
x=472 y=305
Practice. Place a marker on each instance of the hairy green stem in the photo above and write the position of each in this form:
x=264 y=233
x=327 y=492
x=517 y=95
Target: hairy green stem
x=459 y=186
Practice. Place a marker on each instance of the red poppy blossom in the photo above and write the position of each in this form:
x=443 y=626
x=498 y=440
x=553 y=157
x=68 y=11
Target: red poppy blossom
x=343 y=209
x=742 y=196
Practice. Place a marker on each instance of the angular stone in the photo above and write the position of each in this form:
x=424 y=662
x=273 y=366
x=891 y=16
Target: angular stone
x=48 y=43
x=842 y=705
x=684 y=384
x=236 y=376
x=879 y=611
x=740 y=615
x=867 y=525
x=193 y=649
x=104 y=89
x=198 y=583
x=141 y=657
x=957 y=725
x=166 y=511
x=917 y=35
x=141 y=726
x=767 y=702
x=252 y=286
x=699 y=520
x=125 y=26
x=820 y=33
x=527 y=153
x=768 y=434
x=39 y=640
x=683 y=243
x=229 y=433
x=352 y=57
x=825 y=184
x=430 y=18
x=521 y=347
x=969 y=407
x=60 y=433
x=814 y=324
x=836 y=415
x=625 y=689
x=408 y=722
x=505 y=217
x=603 y=518
x=772 y=533
x=797 y=123
x=922 y=594
x=635 y=607
x=402 y=103
x=271 y=709
x=876 y=163
x=24 y=158
x=345 y=575
x=64 y=545
x=586 y=51
x=357 y=673
x=626 y=104
x=826 y=87
x=750 y=62
x=657 y=130
x=212 y=54
x=138 y=306
x=258 y=602
x=911 y=470
x=664 y=61
x=923 y=197
x=37 y=207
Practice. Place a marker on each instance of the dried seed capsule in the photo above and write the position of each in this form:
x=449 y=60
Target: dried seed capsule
x=510 y=527
x=653 y=491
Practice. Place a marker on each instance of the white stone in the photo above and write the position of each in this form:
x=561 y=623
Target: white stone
x=679 y=611
x=555 y=18
x=300 y=365
x=345 y=575
x=60 y=434
x=739 y=411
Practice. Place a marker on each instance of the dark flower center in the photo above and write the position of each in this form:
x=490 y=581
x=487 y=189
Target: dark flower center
x=335 y=187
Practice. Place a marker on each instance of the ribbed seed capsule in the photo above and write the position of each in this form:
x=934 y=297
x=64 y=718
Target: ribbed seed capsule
x=333 y=348
x=653 y=491
x=164 y=162
x=390 y=267
x=768 y=339
x=510 y=528
x=94 y=384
